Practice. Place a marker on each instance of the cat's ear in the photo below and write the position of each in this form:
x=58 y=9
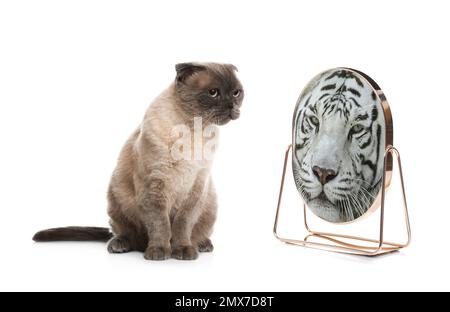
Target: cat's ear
x=232 y=67
x=184 y=70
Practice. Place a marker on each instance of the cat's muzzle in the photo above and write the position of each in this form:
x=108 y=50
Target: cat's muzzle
x=235 y=113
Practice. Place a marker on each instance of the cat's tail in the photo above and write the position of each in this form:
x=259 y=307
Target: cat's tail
x=74 y=233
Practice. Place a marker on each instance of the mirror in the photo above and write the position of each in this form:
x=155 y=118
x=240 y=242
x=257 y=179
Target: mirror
x=341 y=128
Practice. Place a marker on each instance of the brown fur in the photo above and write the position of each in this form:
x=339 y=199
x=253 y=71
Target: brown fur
x=159 y=205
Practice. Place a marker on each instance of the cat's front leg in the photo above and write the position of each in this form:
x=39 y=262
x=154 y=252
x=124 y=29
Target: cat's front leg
x=186 y=218
x=182 y=248
x=155 y=210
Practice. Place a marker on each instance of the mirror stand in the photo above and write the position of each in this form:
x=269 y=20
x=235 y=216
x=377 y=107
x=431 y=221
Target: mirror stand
x=345 y=243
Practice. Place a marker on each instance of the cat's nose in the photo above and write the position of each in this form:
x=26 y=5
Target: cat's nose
x=324 y=175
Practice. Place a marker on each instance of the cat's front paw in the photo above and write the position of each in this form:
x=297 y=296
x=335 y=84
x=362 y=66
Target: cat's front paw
x=157 y=253
x=185 y=253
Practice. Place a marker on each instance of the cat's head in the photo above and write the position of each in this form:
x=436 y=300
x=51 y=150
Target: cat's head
x=209 y=90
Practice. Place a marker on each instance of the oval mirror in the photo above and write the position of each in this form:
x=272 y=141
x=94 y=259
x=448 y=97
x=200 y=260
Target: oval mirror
x=341 y=128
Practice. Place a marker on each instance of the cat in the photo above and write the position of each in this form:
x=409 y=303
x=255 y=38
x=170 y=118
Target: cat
x=162 y=205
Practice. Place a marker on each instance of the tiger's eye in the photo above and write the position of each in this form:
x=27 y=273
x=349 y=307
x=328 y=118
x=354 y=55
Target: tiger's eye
x=236 y=93
x=314 y=120
x=357 y=128
x=213 y=93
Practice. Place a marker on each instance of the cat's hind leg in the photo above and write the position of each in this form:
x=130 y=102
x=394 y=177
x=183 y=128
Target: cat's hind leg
x=205 y=245
x=124 y=231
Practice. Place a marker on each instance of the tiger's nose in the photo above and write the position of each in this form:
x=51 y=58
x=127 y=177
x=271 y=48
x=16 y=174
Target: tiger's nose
x=324 y=175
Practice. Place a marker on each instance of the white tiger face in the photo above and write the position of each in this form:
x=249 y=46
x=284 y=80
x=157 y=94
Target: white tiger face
x=339 y=143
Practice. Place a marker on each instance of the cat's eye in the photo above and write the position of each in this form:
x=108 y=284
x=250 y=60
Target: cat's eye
x=236 y=93
x=314 y=120
x=213 y=93
x=356 y=129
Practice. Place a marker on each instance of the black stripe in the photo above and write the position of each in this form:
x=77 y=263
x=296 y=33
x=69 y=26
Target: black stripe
x=345 y=189
x=354 y=101
x=340 y=111
x=354 y=92
x=358 y=81
x=325 y=107
x=342 y=88
x=378 y=151
x=328 y=87
x=355 y=169
x=314 y=108
x=301 y=145
x=366 y=162
x=302 y=126
x=323 y=95
x=370 y=164
x=307 y=100
x=362 y=117
x=367 y=143
x=299 y=114
x=304 y=170
x=333 y=75
x=374 y=113
x=362 y=134
x=306 y=180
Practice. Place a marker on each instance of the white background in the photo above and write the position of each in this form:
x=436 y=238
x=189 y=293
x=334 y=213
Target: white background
x=77 y=76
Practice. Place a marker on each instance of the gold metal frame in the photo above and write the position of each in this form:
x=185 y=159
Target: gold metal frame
x=362 y=246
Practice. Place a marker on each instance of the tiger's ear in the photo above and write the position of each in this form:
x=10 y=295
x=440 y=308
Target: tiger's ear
x=184 y=70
